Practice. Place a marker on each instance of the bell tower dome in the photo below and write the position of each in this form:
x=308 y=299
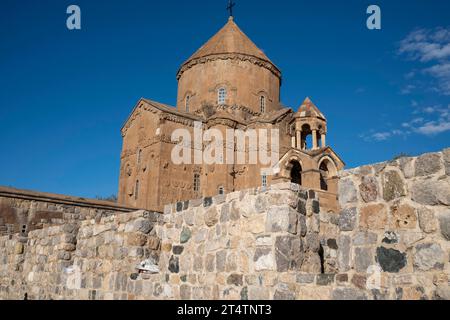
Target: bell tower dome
x=229 y=70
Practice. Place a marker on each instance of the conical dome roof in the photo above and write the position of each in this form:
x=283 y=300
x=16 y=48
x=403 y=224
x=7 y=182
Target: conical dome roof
x=229 y=41
x=309 y=110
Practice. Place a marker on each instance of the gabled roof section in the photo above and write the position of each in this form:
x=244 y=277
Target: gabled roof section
x=309 y=110
x=165 y=108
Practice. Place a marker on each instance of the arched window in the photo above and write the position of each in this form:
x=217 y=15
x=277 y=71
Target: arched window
x=262 y=104
x=196 y=182
x=221 y=190
x=136 y=190
x=139 y=156
x=264 y=180
x=221 y=96
x=323 y=176
x=186 y=103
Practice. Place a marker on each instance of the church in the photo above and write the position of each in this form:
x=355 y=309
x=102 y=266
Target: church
x=229 y=83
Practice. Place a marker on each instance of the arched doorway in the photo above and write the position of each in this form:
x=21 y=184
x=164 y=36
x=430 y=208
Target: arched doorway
x=296 y=172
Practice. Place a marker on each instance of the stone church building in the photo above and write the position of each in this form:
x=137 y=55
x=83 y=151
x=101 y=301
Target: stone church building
x=229 y=83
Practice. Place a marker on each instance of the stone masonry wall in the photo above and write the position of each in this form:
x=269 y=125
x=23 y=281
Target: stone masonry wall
x=389 y=241
x=394 y=228
x=22 y=211
x=250 y=244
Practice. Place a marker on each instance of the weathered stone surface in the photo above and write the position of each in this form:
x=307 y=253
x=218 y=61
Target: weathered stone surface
x=225 y=213
x=446 y=157
x=283 y=295
x=235 y=279
x=325 y=279
x=344 y=253
x=342 y=277
x=444 y=223
x=332 y=244
x=348 y=294
x=403 y=216
x=393 y=186
x=289 y=253
x=391 y=260
x=347 y=192
x=263 y=259
x=136 y=239
x=390 y=237
x=143 y=225
x=442 y=293
x=302 y=228
x=305 y=278
x=410 y=238
x=360 y=281
x=427 y=221
x=258 y=293
x=363 y=259
x=312 y=242
x=373 y=217
x=431 y=192
x=177 y=250
x=207 y=201
x=428 y=164
x=407 y=167
x=221 y=259
x=278 y=218
x=174 y=264
x=211 y=216
x=185 y=235
x=368 y=189
x=185 y=292
x=428 y=256
x=347 y=219
x=364 y=238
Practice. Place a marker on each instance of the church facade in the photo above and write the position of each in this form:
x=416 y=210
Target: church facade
x=229 y=83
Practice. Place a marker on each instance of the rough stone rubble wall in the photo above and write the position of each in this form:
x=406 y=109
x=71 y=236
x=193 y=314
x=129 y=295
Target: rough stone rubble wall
x=249 y=244
x=395 y=218
x=390 y=241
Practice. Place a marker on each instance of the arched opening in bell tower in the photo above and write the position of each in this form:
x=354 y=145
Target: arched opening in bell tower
x=296 y=172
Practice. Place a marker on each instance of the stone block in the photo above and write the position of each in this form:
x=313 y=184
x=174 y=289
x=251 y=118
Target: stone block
x=348 y=294
x=428 y=164
x=427 y=221
x=363 y=259
x=444 y=223
x=368 y=189
x=289 y=253
x=325 y=279
x=403 y=216
x=373 y=217
x=279 y=218
x=393 y=185
x=347 y=192
x=347 y=219
x=363 y=238
x=391 y=260
x=344 y=244
x=429 y=256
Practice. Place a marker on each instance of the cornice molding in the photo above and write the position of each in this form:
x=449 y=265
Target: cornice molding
x=230 y=56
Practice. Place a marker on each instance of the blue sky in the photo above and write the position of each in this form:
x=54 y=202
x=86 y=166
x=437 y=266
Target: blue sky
x=65 y=94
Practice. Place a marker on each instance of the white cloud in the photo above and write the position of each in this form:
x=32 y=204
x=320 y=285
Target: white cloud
x=435 y=120
x=430 y=46
x=408 y=89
